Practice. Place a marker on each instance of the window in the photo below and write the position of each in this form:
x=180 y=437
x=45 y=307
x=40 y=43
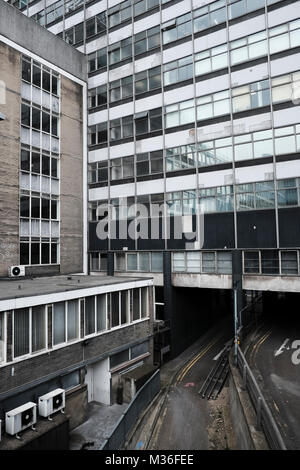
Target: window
x=180 y=158
x=148 y=121
x=284 y=37
x=119 y=13
x=180 y=113
x=119 y=308
x=72 y=320
x=215 y=152
x=121 y=128
x=97 y=134
x=97 y=97
x=95 y=314
x=241 y=7
x=177 y=28
x=59 y=323
x=287 y=192
x=120 y=51
x=29 y=326
x=219 y=199
x=210 y=15
x=98 y=172
x=249 y=48
x=211 y=59
x=2 y=337
x=147 y=80
x=286 y=88
x=181 y=203
x=213 y=105
x=141 y=6
x=97 y=60
x=149 y=163
x=122 y=168
x=120 y=89
x=255 y=196
x=146 y=40
x=251 y=96
x=254 y=145
x=179 y=70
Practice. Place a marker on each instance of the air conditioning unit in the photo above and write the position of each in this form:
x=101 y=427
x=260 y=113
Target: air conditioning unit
x=20 y=418
x=52 y=402
x=16 y=271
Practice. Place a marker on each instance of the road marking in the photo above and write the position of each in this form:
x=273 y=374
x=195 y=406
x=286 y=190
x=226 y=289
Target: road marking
x=220 y=353
x=197 y=358
x=282 y=347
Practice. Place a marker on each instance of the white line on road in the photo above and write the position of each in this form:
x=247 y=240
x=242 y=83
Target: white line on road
x=221 y=352
x=282 y=347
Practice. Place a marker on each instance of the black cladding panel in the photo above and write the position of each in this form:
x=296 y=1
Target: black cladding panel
x=289 y=227
x=218 y=231
x=95 y=244
x=256 y=229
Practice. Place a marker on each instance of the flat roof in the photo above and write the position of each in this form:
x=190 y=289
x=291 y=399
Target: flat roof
x=17 y=287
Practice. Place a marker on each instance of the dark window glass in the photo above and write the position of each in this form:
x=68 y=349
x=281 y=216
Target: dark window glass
x=90 y=28
x=46 y=122
x=45 y=209
x=54 y=125
x=115 y=308
x=53 y=253
x=25 y=115
x=35 y=208
x=46 y=80
x=78 y=33
x=26 y=71
x=36 y=76
x=53 y=210
x=36 y=118
x=35 y=162
x=54 y=167
x=24 y=206
x=24 y=253
x=45 y=253
x=25 y=160
x=35 y=253
x=46 y=165
x=54 y=85
x=141 y=125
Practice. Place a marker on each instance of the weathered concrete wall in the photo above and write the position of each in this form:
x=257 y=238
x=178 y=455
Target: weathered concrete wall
x=10 y=74
x=76 y=406
x=272 y=283
x=30 y=35
x=71 y=171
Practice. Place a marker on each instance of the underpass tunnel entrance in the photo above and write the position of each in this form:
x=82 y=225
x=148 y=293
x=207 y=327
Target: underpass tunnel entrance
x=194 y=311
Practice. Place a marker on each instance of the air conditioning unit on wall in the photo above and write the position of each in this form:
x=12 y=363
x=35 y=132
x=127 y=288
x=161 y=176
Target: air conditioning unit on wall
x=52 y=402
x=20 y=418
x=16 y=271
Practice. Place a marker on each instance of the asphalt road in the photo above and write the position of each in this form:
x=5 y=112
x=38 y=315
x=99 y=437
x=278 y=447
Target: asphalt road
x=185 y=418
x=274 y=357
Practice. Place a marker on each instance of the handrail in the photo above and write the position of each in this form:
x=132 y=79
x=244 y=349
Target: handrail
x=264 y=416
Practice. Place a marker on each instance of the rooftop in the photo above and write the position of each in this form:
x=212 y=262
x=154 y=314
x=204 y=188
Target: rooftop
x=17 y=287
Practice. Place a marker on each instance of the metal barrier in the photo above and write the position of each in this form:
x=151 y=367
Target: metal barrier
x=127 y=421
x=265 y=420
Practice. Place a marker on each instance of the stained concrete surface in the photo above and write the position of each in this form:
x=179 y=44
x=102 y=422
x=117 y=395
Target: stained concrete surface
x=100 y=423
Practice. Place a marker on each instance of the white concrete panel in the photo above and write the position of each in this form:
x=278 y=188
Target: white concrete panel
x=97 y=80
x=80 y=49
x=151 y=102
x=251 y=74
x=215 y=178
x=122 y=150
x=201 y=3
x=120 y=111
x=112 y=3
x=272 y=283
x=286 y=64
x=245 y=28
x=210 y=40
x=214 y=131
x=150 y=187
x=36 y=8
x=97 y=194
x=56 y=28
x=98 y=155
x=148 y=62
x=252 y=174
x=284 y=117
x=95 y=9
x=149 y=145
x=206 y=281
x=254 y=123
x=74 y=19
x=175 y=10
x=120 y=72
x=97 y=44
x=122 y=190
x=288 y=169
x=120 y=34
x=180 y=183
x=184 y=93
x=100 y=116
x=146 y=23
x=177 y=52
x=212 y=85
x=282 y=15
x=180 y=138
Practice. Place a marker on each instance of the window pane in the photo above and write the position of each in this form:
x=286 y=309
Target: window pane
x=21 y=332
x=38 y=328
x=73 y=321
x=59 y=335
x=101 y=312
x=89 y=315
x=115 y=307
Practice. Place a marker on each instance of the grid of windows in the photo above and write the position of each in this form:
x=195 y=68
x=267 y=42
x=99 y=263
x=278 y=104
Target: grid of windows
x=39 y=165
x=205 y=262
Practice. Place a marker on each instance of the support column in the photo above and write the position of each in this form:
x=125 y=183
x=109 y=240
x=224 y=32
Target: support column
x=110 y=263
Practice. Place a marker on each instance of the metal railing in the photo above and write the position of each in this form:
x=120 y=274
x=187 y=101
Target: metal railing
x=264 y=418
x=126 y=423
